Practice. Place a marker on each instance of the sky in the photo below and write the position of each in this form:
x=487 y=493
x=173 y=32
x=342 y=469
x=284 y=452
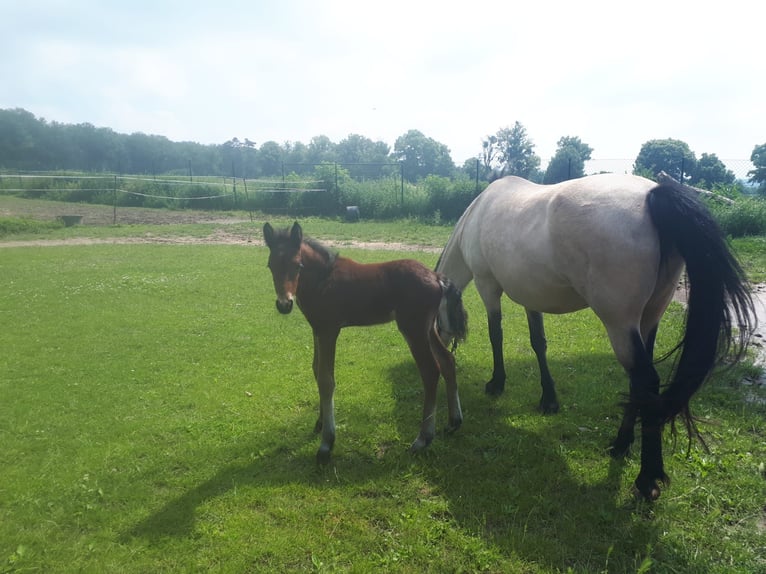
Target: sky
x=613 y=74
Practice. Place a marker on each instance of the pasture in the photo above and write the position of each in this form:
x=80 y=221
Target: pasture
x=156 y=415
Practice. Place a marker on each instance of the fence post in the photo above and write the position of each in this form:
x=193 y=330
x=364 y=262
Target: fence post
x=114 y=199
x=401 y=177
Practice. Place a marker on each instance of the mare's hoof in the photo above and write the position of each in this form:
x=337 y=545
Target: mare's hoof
x=323 y=455
x=649 y=488
x=549 y=408
x=494 y=388
x=619 y=449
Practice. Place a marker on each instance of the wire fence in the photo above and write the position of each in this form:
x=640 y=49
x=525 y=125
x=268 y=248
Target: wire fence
x=318 y=189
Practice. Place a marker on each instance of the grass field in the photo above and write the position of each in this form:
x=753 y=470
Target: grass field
x=156 y=416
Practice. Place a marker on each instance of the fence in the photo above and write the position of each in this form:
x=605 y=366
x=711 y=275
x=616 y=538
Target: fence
x=380 y=190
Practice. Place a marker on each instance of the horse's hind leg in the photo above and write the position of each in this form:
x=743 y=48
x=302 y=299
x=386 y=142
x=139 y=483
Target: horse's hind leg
x=446 y=362
x=636 y=356
x=549 y=403
x=416 y=335
x=626 y=435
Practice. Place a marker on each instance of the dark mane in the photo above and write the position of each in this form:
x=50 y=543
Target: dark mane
x=329 y=255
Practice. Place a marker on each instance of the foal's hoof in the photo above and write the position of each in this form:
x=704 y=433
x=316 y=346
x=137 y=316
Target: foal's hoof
x=420 y=444
x=453 y=425
x=494 y=388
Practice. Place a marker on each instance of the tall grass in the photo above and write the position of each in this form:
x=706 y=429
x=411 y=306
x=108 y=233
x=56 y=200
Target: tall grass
x=156 y=416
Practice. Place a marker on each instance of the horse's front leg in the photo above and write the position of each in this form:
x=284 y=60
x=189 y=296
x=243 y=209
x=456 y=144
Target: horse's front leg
x=315 y=369
x=324 y=359
x=490 y=293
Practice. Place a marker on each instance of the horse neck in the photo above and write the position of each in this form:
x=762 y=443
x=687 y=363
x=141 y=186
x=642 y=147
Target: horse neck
x=451 y=262
x=316 y=267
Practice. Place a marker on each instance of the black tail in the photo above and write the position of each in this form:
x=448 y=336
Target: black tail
x=719 y=296
x=452 y=320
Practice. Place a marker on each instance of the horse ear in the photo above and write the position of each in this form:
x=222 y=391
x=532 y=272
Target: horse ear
x=296 y=234
x=268 y=234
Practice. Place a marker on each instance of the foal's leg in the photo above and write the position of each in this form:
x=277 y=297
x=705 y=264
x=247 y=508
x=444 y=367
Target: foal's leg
x=315 y=368
x=549 y=403
x=446 y=362
x=416 y=335
x=324 y=358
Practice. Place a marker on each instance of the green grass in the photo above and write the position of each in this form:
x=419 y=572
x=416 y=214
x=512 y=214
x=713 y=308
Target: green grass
x=156 y=415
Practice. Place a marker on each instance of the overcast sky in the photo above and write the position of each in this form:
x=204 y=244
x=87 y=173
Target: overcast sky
x=614 y=74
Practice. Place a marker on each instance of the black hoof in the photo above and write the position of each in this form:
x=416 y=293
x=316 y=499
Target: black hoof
x=494 y=388
x=549 y=408
x=649 y=488
x=620 y=448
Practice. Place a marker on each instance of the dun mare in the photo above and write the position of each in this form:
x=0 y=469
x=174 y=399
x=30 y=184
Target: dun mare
x=617 y=244
x=335 y=292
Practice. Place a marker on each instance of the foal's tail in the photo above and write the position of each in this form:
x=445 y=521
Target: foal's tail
x=452 y=320
x=719 y=296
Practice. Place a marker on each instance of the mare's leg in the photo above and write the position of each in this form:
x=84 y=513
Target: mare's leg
x=549 y=403
x=490 y=293
x=446 y=362
x=644 y=401
x=324 y=358
x=415 y=332
x=626 y=435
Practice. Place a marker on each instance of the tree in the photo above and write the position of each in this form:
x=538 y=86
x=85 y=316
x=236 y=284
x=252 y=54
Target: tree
x=669 y=155
x=758 y=175
x=270 y=158
x=512 y=153
x=422 y=156
x=321 y=149
x=569 y=160
x=711 y=171
x=359 y=149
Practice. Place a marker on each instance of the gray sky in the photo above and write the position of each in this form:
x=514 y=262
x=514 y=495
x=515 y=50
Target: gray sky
x=614 y=74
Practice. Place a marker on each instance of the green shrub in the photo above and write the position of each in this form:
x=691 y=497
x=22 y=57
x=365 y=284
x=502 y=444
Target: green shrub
x=744 y=217
x=17 y=225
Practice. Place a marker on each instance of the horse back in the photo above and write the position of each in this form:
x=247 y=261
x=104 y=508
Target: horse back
x=550 y=246
x=371 y=293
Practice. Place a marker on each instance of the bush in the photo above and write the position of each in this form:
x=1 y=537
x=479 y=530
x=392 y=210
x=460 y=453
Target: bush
x=16 y=225
x=744 y=217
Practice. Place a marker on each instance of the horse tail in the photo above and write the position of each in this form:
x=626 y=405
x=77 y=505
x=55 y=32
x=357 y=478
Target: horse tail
x=719 y=295
x=452 y=319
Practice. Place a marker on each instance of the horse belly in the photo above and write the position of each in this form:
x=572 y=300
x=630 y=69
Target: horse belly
x=539 y=294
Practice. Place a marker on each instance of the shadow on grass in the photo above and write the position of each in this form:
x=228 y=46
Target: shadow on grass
x=508 y=475
x=535 y=486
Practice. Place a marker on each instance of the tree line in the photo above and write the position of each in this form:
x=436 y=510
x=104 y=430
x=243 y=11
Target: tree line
x=29 y=143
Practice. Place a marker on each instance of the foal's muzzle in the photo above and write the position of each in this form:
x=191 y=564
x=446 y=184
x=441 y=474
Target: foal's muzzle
x=285 y=307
